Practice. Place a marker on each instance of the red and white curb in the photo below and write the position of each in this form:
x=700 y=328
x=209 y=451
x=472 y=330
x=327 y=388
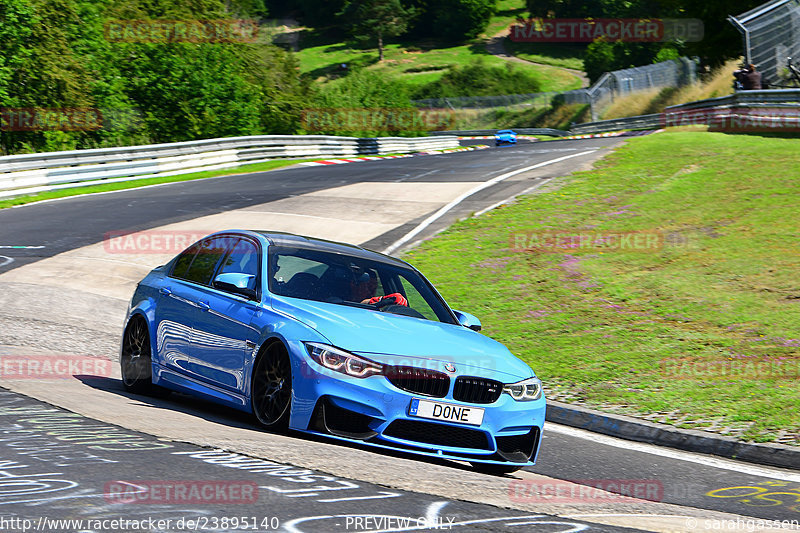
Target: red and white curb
x=353 y=160
x=594 y=135
x=323 y=162
x=627 y=133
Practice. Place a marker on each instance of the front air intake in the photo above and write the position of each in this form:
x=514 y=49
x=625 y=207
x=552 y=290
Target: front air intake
x=419 y=380
x=472 y=389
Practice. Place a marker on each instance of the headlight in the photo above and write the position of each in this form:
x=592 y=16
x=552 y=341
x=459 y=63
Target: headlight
x=526 y=390
x=343 y=362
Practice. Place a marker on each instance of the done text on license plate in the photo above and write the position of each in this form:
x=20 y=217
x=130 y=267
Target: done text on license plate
x=445 y=411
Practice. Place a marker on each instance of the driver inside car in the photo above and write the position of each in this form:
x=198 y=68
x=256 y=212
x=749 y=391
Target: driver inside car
x=364 y=287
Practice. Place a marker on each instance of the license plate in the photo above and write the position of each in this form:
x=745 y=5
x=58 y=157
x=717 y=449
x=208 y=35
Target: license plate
x=448 y=412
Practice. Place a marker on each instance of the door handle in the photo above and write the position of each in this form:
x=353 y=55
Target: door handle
x=204 y=306
x=165 y=290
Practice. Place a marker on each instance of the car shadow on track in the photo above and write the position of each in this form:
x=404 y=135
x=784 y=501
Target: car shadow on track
x=211 y=412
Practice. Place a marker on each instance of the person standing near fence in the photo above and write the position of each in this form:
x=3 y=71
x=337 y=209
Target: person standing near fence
x=748 y=78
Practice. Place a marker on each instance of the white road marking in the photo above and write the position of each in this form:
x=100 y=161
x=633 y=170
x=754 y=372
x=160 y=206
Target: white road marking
x=706 y=460
x=18 y=247
x=433 y=511
x=409 y=177
x=5 y=261
x=497 y=179
x=380 y=496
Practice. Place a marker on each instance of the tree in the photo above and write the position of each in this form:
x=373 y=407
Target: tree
x=377 y=18
x=451 y=21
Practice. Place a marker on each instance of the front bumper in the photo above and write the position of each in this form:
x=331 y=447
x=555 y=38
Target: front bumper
x=376 y=412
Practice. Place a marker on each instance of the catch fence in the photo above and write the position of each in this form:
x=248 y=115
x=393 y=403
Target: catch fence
x=673 y=73
x=771 y=34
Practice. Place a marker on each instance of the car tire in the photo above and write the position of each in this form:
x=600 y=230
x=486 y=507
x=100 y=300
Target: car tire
x=495 y=470
x=271 y=390
x=136 y=360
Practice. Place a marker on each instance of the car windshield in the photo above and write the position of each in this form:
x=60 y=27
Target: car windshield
x=354 y=281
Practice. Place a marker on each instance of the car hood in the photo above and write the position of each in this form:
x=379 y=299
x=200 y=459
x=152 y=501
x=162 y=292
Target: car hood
x=401 y=340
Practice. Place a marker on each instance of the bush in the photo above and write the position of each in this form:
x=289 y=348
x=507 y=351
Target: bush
x=363 y=104
x=478 y=79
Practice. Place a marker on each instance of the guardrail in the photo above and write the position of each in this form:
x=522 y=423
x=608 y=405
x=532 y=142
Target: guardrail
x=33 y=173
x=640 y=122
x=520 y=131
x=765 y=109
x=765 y=97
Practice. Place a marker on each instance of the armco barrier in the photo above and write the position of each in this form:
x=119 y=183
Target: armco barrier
x=641 y=122
x=773 y=109
x=520 y=131
x=33 y=173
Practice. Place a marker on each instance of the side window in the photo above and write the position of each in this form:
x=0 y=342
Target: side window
x=183 y=262
x=205 y=262
x=416 y=300
x=289 y=265
x=244 y=259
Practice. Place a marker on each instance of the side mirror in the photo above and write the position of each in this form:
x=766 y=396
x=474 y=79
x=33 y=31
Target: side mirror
x=236 y=283
x=467 y=320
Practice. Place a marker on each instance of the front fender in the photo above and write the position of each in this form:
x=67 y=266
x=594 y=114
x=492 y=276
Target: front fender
x=276 y=326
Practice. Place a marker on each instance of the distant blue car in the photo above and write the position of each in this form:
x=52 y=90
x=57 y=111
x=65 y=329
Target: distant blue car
x=505 y=136
x=331 y=339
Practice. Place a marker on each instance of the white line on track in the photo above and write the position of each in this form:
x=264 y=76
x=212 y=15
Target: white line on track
x=15 y=247
x=497 y=179
x=5 y=261
x=706 y=460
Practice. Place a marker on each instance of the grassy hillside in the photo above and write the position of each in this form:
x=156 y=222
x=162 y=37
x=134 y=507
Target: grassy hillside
x=701 y=331
x=417 y=63
x=719 y=83
x=416 y=66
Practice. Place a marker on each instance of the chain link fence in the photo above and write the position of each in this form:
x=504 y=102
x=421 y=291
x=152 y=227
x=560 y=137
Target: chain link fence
x=771 y=34
x=672 y=73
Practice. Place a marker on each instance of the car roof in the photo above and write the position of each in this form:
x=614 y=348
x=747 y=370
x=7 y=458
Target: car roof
x=279 y=238
x=505 y=131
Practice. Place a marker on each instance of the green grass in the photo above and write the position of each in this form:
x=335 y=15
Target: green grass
x=417 y=65
x=507 y=13
x=76 y=191
x=566 y=55
x=629 y=330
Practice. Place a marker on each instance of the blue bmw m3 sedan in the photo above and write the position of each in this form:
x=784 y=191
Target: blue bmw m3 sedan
x=331 y=339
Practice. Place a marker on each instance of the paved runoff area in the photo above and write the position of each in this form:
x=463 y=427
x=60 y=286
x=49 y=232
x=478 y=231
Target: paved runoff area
x=75 y=446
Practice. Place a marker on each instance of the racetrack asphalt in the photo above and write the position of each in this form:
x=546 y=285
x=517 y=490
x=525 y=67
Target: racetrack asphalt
x=41 y=308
